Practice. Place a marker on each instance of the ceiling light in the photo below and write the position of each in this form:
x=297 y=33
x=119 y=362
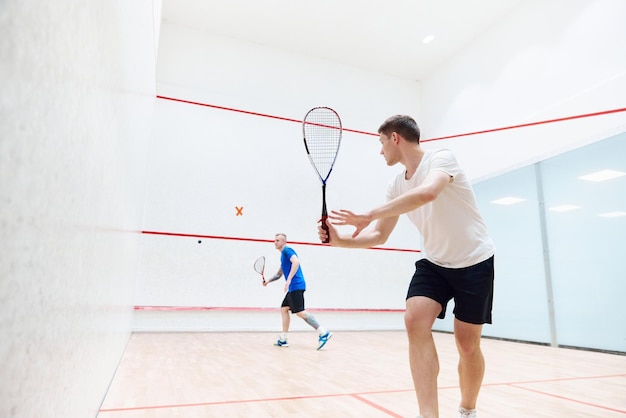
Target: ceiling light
x=602 y=175
x=508 y=200
x=614 y=214
x=428 y=39
x=564 y=208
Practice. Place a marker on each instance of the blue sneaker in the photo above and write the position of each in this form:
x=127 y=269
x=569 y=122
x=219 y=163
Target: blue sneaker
x=281 y=343
x=324 y=339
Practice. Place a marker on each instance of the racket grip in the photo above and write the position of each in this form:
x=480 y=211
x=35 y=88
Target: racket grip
x=325 y=228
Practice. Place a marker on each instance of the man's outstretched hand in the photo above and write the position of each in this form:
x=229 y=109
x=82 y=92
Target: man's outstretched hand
x=346 y=217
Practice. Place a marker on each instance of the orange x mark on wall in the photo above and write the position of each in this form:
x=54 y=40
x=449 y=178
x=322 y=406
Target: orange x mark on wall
x=239 y=211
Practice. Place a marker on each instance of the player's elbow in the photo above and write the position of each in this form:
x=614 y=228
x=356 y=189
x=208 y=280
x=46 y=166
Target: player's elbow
x=428 y=195
x=379 y=241
x=379 y=238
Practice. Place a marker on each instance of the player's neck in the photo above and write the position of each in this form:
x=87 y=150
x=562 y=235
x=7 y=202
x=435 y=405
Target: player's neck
x=412 y=160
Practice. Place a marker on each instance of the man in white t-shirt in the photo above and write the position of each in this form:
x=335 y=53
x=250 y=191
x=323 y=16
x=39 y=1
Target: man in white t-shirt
x=458 y=257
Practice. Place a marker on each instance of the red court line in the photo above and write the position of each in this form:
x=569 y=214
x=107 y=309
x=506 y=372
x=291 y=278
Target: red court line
x=315 y=244
x=562 y=379
x=246 y=308
x=240 y=401
x=522 y=125
x=359 y=396
x=376 y=406
x=606 y=408
x=231 y=402
x=247 y=112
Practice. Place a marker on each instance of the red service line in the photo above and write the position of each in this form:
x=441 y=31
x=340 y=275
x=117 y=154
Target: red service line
x=525 y=125
x=569 y=399
x=522 y=125
x=248 y=112
x=376 y=406
x=316 y=244
x=243 y=401
x=258 y=309
x=361 y=397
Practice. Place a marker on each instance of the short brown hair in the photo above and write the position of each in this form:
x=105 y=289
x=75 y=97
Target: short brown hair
x=403 y=125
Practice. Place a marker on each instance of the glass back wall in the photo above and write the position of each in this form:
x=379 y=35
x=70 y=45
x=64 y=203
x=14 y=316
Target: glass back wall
x=560 y=230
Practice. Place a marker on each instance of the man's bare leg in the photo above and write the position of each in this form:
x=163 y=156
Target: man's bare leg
x=420 y=315
x=284 y=314
x=471 y=361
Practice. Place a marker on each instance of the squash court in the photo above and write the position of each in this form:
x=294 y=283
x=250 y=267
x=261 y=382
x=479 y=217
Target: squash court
x=357 y=374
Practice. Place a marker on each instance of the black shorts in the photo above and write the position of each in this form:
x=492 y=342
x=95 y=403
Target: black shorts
x=295 y=301
x=470 y=287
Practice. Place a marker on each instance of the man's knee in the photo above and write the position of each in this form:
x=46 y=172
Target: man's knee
x=467 y=338
x=420 y=314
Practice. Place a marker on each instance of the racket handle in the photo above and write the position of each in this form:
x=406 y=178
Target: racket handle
x=325 y=228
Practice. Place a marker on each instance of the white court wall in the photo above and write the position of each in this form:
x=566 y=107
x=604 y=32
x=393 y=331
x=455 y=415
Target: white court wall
x=207 y=161
x=76 y=98
x=548 y=60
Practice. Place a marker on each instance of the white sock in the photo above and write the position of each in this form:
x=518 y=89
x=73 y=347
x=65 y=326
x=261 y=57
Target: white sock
x=283 y=336
x=321 y=330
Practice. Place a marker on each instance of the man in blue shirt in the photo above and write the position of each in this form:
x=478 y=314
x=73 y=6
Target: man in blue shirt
x=294 y=289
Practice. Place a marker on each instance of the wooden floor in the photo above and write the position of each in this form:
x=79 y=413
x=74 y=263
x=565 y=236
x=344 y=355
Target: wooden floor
x=358 y=374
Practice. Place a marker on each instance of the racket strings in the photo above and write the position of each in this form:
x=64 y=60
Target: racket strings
x=259 y=265
x=322 y=135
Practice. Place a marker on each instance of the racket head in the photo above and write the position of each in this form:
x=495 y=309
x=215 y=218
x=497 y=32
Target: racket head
x=259 y=265
x=322 y=131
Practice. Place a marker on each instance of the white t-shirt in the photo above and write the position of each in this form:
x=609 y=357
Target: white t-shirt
x=454 y=232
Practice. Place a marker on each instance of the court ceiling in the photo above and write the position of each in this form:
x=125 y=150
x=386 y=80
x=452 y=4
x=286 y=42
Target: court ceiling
x=379 y=35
